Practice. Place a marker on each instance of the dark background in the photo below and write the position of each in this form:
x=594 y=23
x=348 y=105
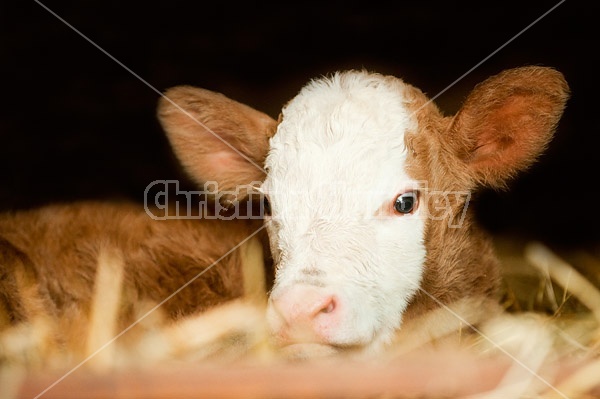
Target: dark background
x=77 y=125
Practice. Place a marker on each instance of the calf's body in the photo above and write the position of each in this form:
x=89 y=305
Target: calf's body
x=49 y=261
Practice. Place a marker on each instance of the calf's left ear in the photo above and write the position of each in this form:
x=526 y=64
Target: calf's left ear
x=507 y=121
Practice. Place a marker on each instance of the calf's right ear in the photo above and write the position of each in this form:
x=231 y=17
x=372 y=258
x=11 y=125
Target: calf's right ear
x=215 y=138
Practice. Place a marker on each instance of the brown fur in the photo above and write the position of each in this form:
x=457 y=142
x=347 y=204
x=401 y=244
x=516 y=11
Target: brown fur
x=504 y=124
x=212 y=124
x=48 y=260
x=48 y=257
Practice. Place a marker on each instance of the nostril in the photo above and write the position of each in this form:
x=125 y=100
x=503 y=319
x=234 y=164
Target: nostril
x=328 y=306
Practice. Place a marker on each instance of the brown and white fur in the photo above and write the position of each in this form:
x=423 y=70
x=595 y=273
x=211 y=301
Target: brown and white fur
x=350 y=268
x=346 y=153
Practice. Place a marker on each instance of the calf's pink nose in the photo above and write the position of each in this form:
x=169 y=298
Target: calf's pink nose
x=303 y=314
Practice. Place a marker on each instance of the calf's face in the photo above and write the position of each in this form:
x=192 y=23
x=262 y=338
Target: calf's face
x=345 y=227
x=366 y=187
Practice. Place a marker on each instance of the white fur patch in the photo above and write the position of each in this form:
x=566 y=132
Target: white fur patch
x=337 y=158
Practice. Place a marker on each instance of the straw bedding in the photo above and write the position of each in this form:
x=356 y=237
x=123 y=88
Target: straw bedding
x=546 y=344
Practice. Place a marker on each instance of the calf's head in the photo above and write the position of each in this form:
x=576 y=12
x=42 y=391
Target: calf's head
x=366 y=188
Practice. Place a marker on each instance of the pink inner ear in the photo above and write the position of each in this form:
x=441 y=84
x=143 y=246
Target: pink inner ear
x=509 y=134
x=229 y=169
x=231 y=163
x=223 y=160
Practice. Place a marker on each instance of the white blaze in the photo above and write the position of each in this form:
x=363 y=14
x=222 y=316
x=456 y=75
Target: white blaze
x=337 y=159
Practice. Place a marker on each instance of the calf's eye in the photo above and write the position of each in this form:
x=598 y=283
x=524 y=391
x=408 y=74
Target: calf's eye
x=406 y=203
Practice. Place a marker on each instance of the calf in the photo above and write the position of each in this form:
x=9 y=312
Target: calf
x=366 y=191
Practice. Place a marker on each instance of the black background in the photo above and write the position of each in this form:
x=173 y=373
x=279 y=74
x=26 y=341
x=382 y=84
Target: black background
x=75 y=124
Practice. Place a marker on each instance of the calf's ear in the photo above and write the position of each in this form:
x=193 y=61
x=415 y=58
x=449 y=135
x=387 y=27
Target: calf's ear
x=506 y=122
x=216 y=138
